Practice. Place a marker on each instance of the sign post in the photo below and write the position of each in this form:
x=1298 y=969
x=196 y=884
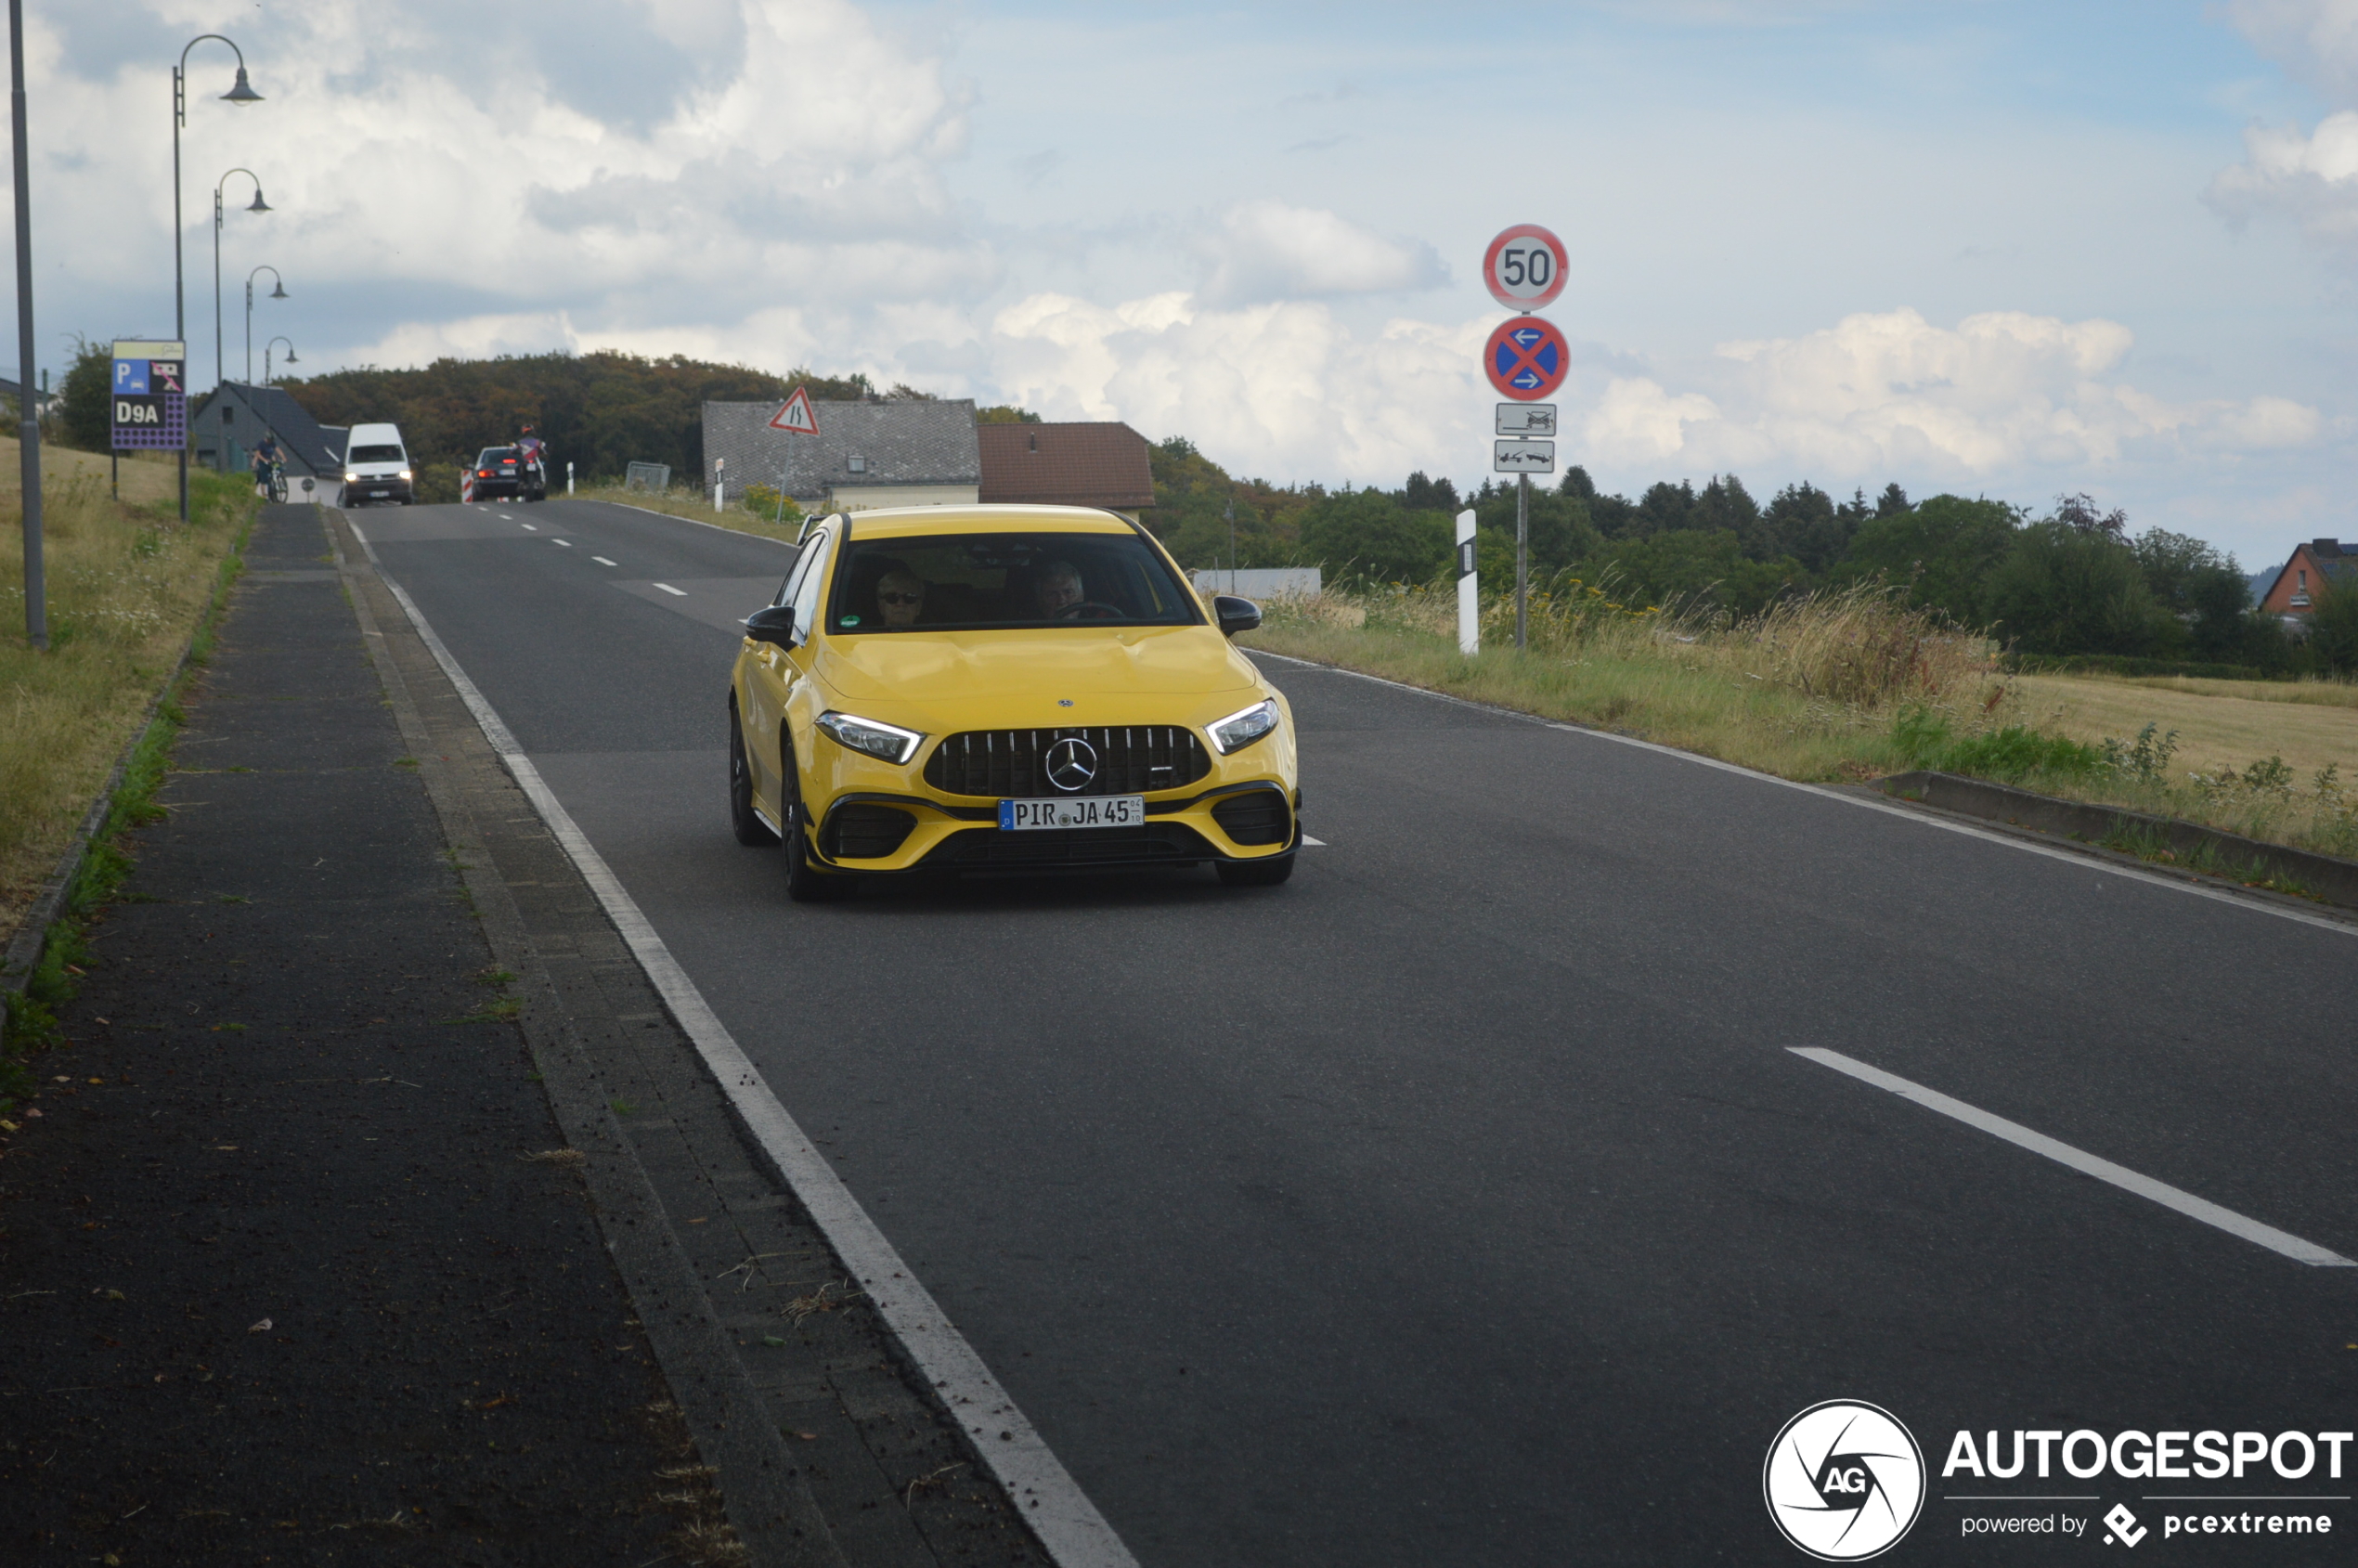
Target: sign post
x=1469 y=589
x=1525 y=360
x=796 y=417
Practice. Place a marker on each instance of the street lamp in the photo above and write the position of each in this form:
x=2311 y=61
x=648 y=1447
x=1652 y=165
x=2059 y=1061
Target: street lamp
x=265 y=356
x=277 y=291
x=257 y=205
x=36 y=593
x=241 y=93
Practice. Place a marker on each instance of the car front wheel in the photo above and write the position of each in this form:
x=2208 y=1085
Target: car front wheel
x=806 y=884
x=751 y=831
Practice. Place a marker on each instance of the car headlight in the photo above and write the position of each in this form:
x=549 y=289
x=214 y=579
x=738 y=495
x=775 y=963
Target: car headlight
x=886 y=743
x=407 y=474
x=1240 y=730
x=352 y=478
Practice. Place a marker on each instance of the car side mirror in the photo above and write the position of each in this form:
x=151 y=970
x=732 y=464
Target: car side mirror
x=1235 y=615
x=771 y=623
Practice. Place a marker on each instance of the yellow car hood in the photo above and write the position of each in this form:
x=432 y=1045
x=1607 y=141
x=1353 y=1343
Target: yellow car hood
x=961 y=666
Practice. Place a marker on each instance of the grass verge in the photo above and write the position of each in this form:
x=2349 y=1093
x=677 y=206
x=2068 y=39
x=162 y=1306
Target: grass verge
x=1839 y=687
x=130 y=588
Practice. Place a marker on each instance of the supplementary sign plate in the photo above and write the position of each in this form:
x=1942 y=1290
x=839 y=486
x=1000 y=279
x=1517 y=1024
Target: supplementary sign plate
x=1524 y=456
x=1101 y=810
x=793 y=416
x=1524 y=267
x=1527 y=419
x=1527 y=358
x=149 y=395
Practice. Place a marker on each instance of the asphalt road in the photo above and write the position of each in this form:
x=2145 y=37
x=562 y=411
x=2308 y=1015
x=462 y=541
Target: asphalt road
x=1464 y=1200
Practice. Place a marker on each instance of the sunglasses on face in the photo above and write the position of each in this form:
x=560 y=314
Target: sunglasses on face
x=901 y=598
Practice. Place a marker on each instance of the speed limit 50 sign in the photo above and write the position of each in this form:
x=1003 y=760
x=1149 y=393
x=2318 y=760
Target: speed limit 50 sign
x=1524 y=267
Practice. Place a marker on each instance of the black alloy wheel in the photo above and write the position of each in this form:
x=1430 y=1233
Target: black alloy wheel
x=1257 y=873
x=751 y=831
x=806 y=884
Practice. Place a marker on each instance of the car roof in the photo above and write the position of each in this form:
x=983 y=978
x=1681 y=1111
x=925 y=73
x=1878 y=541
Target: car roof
x=903 y=522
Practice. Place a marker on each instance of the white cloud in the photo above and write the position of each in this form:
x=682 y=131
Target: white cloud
x=2316 y=41
x=1287 y=390
x=1268 y=251
x=1890 y=393
x=2308 y=178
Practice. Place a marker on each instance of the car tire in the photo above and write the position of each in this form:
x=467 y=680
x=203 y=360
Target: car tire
x=751 y=831
x=806 y=884
x=1256 y=873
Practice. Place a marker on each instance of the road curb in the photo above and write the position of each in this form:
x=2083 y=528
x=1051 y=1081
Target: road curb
x=31 y=940
x=2332 y=880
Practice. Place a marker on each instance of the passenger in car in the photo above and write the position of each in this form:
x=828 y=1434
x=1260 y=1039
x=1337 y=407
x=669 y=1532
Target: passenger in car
x=1057 y=588
x=901 y=594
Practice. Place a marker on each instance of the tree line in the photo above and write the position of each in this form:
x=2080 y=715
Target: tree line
x=2068 y=581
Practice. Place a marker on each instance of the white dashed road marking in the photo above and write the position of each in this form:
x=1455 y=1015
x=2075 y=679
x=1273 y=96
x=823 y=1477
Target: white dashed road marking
x=531 y=528
x=601 y=561
x=1314 y=843
x=678 y=592
x=567 y=543
x=2086 y=1164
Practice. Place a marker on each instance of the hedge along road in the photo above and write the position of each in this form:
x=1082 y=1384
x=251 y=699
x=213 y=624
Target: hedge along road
x=1468 y=1199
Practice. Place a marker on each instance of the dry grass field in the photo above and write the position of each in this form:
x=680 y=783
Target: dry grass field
x=127 y=585
x=2221 y=724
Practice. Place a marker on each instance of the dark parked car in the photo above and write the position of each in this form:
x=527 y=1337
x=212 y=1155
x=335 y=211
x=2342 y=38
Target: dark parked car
x=505 y=473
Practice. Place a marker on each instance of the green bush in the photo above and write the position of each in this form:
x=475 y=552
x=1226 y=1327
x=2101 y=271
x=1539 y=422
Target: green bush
x=2009 y=756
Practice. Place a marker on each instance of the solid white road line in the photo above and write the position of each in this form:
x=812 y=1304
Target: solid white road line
x=2169 y=1197
x=2090 y=862
x=567 y=543
x=601 y=561
x=678 y=592
x=1068 y=1526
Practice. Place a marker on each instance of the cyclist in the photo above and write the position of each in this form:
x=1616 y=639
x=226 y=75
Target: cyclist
x=269 y=468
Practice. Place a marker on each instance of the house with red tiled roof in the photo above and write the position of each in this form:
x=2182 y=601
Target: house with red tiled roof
x=2312 y=565
x=1101 y=464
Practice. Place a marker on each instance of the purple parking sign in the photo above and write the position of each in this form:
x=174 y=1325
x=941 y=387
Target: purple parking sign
x=150 y=395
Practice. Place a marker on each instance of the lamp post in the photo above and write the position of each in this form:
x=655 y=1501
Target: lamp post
x=36 y=597
x=277 y=291
x=265 y=356
x=243 y=93
x=257 y=205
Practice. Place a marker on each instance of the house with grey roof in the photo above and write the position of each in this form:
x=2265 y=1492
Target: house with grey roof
x=895 y=452
x=226 y=425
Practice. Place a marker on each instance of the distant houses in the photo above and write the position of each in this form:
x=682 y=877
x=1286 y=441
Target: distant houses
x=925 y=452
x=2312 y=565
x=227 y=423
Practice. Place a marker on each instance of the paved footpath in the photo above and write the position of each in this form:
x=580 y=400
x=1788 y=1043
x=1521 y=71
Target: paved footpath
x=297 y=1262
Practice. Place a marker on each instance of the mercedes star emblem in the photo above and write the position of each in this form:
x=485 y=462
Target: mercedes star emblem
x=1072 y=762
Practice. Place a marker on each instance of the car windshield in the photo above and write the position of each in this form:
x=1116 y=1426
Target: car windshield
x=375 y=454
x=966 y=582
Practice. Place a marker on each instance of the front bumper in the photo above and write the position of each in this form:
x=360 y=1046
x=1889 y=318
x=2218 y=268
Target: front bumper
x=1237 y=820
x=368 y=489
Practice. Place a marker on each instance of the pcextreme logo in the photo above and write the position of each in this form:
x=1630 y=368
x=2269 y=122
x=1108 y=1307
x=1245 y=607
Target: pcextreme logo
x=1844 y=1481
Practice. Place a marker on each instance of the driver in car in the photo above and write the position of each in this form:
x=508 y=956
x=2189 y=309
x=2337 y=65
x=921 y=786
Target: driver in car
x=1057 y=586
x=901 y=594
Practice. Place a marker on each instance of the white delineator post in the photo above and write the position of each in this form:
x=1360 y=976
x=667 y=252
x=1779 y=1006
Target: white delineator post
x=568 y=478
x=1469 y=597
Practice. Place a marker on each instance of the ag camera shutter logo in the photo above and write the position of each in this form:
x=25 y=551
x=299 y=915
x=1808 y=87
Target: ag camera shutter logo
x=1844 y=1481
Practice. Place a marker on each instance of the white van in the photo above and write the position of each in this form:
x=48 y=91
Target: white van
x=376 y=466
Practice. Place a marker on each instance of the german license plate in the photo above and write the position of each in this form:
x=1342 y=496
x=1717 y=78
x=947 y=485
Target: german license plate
x=1097 y=811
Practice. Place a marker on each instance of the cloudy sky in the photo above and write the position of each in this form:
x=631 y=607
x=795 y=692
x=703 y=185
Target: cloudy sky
x=1977 y=246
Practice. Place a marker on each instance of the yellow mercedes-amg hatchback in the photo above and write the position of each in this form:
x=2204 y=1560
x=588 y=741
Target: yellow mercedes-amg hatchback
x=1003 y=689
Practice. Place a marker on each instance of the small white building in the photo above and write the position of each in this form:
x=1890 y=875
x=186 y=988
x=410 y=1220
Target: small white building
x=894 y=452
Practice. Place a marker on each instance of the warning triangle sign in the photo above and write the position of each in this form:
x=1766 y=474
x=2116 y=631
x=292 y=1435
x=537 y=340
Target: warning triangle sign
x=794 y=415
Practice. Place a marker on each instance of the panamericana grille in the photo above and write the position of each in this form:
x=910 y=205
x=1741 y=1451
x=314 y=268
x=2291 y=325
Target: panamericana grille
x=1132 y=759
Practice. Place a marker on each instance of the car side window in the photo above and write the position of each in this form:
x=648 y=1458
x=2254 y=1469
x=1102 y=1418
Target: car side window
x=806 y=595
